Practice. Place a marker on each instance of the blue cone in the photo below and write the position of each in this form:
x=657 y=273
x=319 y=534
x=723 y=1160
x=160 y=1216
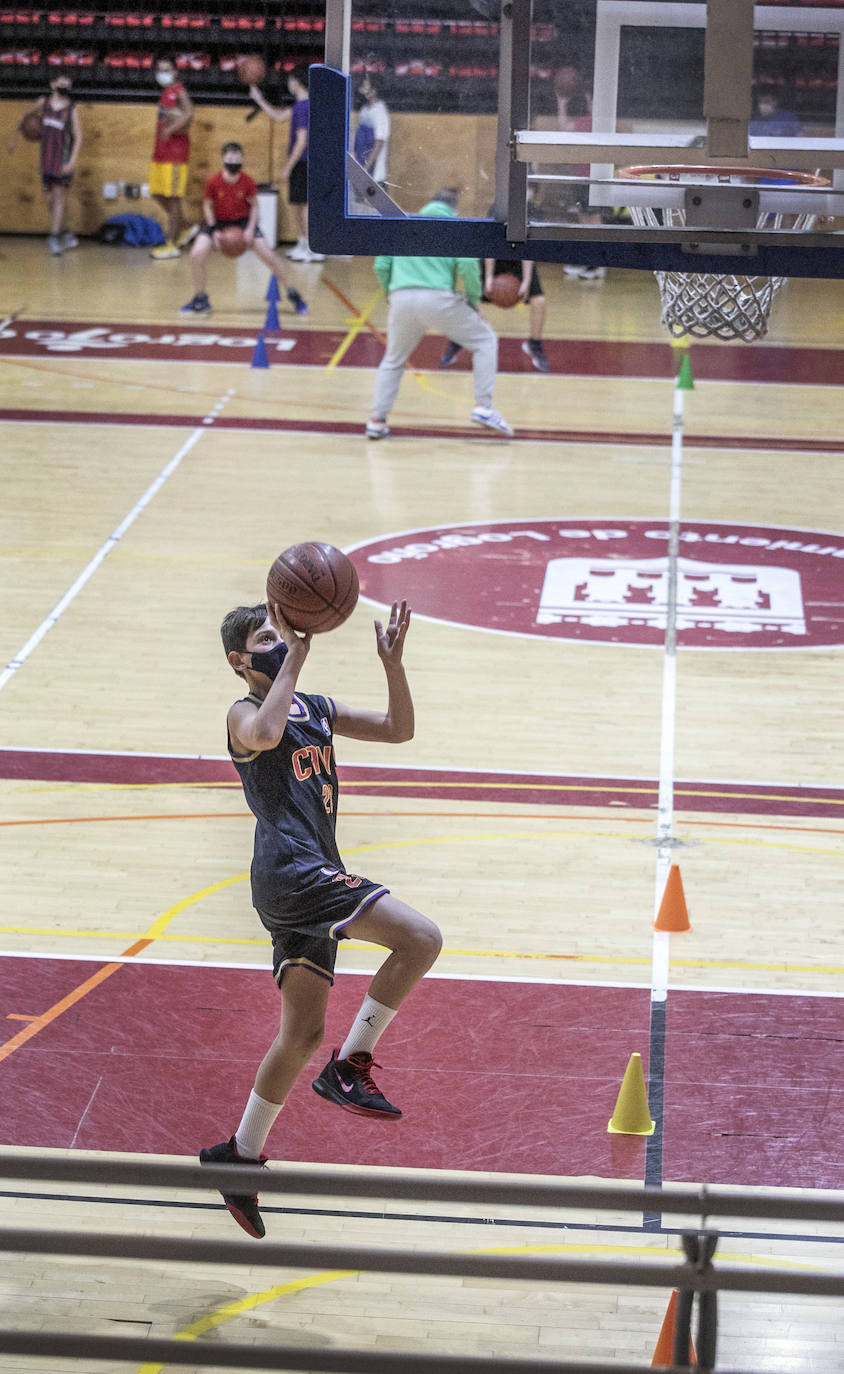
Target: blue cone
x=271 y=322
x=259 y=357
x=273 y=293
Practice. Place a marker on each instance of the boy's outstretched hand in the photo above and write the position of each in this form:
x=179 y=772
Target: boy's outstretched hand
x=391 y=641
x=291 y=637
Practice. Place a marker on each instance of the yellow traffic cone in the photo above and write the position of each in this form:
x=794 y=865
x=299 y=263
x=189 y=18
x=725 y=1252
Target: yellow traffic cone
x=631 y=1115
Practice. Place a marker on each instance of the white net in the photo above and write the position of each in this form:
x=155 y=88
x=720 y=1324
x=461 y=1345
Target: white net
x=716 y=307
x=708 y=306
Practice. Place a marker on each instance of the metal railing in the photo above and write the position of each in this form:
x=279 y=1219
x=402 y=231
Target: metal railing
x=696 y=1278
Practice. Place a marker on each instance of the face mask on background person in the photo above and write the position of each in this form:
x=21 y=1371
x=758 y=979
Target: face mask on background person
x=165 y=78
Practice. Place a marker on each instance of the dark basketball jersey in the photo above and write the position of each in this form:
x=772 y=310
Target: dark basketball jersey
x=292 y=792
x=56 y=138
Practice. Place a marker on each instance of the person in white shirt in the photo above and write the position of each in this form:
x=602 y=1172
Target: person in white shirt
x=372 y=137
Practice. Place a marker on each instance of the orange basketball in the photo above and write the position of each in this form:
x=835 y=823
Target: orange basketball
x=30 y=126
x=504 y=290
x=232 y=242
x=251 y=70
x=314 y=585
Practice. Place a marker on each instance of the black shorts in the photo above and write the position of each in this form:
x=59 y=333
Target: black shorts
x=48 y=181
x=297 y=183
x=224 y=224
x=306 y=928
x=514 y=268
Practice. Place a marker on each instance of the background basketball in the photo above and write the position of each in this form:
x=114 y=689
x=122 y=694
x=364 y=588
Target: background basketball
x=504 y=290
x=31 y=126
x=232 y=242
x=251 y=70
x=315 y=585
x=567 y=82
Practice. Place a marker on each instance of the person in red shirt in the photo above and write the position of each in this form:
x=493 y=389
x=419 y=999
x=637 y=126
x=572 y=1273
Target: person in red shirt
x=231 y=197
x=168 y=173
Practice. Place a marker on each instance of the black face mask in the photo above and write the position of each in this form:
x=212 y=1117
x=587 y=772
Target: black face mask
x=269 y=661
x=233 y=167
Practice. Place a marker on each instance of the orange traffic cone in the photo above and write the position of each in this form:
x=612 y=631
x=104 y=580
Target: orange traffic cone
x=672 y=913
x=664 y=1353
x=631 y=1115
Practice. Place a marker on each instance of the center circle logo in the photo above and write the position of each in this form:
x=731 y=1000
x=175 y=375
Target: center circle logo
x=608 y=581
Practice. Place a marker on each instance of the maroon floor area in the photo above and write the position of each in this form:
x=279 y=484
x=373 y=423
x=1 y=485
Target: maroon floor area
x=315 y=347
x=443 y=784
x=500 y=1076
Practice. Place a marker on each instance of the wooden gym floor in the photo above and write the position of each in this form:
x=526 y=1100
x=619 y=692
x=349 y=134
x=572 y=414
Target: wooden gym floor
x=150 y=474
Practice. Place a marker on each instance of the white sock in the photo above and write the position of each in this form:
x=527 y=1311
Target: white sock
x=258 y=1117
x=367 y=1028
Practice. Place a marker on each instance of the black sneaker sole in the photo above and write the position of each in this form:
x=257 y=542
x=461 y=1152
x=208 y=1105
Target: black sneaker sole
x=331 y=1095
x=251 y=1228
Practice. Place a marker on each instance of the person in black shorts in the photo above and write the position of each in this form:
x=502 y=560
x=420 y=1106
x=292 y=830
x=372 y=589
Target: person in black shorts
x=281 y=743
x=295 y=168
x=61 y=143
x=530 y=291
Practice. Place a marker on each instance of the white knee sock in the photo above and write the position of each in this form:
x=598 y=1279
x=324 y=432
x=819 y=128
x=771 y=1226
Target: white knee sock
x=258 y=1117
x=369 y=1024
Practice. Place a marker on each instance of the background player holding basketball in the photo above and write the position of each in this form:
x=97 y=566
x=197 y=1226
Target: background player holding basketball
x=231 y=199
x=280 y=741
x=295 y=169
x=168 y=173
x=530 y=290
x=61 y=141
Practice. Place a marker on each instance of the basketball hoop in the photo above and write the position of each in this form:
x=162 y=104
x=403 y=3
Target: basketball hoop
x=701 y=304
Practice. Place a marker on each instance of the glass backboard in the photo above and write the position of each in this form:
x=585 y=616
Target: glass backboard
x=532 y=113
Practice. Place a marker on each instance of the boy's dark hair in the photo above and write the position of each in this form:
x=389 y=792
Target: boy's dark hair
x=232 y=147
x=238 y=625
x=300 y=74
x=448 y=195
x=164 y=57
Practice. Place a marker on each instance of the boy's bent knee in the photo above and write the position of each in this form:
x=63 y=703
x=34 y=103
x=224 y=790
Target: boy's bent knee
x=427 y=940
x=303 y=1040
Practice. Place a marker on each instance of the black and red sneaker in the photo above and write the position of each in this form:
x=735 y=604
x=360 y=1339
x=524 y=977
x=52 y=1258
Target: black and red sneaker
x=350 y=1084
x=243 y=1208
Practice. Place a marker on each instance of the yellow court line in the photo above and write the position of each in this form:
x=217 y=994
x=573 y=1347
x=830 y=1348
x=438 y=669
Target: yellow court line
x=545 y=956
x=247 y=1304
x=162 y=922
x=251 y=1301
x=357 y=324
x=375 y=783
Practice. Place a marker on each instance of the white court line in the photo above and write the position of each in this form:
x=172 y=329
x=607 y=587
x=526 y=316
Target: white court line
x=430 y=768
x=665 y=795
x=88 y=572
x=266 y=969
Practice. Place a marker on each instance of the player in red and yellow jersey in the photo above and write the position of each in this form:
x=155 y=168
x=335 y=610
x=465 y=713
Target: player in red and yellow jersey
x=231 y=198
x=168 y=173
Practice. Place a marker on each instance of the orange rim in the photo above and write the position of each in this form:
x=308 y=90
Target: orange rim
x=746 y=175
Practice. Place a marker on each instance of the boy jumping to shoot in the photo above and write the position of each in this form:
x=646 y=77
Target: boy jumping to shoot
x=231 y=197
x=280 y=741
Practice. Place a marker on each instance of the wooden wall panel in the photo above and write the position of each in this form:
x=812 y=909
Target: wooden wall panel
x=427 y=152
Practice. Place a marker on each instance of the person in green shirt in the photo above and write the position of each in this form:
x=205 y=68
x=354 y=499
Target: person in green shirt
x=423 y=296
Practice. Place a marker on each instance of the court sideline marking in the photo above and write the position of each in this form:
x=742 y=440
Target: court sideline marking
x=665 y=812
x=114 y=538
